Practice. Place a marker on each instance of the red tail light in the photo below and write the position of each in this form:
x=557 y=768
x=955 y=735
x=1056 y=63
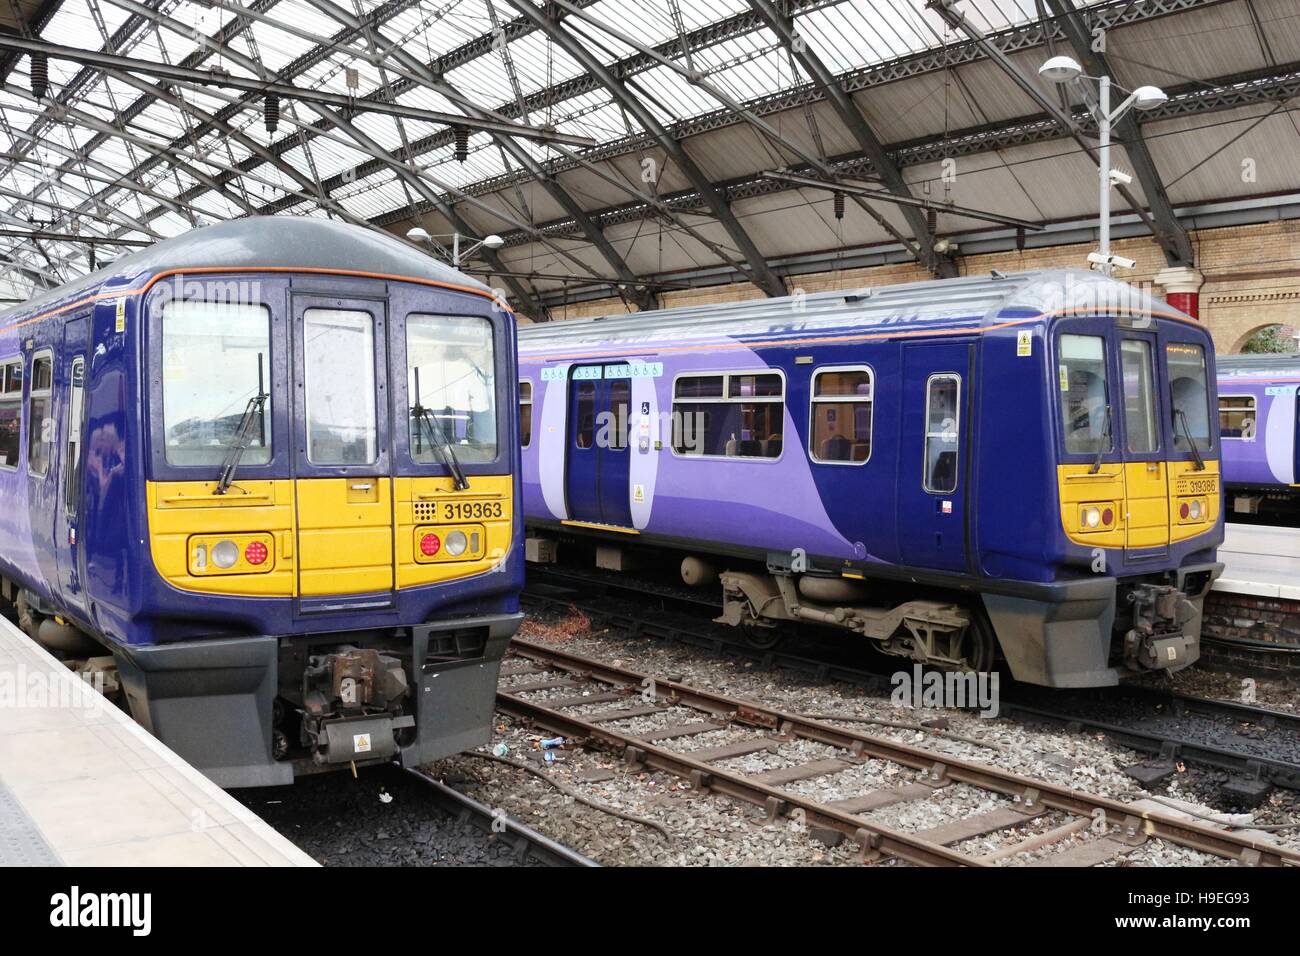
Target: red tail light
x=255 y=553
x=430 y=544
x=1184 y=511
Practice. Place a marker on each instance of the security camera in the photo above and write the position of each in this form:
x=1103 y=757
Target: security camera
x=1097 y=260
x=1120 y=178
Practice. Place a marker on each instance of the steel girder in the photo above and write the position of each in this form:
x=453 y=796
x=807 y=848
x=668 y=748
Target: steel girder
x=757 y=268
x=1168 y=231
x=519 y=154
x=782 y=24
x=1230 y=92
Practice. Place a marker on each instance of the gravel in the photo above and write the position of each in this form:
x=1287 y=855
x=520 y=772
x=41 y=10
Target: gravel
x=342 y=821
x=713 y=830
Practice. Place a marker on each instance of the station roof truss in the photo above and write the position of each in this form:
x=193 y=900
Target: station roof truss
x=622 y=148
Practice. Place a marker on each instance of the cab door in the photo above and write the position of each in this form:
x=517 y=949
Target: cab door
x=342 y=451
x=933 y=454
x=1146 y=479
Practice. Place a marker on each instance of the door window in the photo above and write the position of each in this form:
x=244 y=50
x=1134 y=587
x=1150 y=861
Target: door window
x=1141 y=434
x=942 y=421
x=339 y=348
x=11 y=412
x=40 y=431
x=72 y=456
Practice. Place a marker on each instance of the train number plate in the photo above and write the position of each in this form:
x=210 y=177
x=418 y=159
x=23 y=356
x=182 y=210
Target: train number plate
x=1198 y=486
x=469 y=510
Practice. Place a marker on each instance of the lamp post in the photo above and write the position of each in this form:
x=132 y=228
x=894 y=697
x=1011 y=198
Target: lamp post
x=420 y=235
x=1063 y=70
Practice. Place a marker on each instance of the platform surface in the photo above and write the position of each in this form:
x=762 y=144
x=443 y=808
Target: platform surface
x=1260 y=561
x=82 y=784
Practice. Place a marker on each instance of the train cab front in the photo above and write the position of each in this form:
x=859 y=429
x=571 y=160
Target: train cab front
x=1139 y=483
x=331 y=516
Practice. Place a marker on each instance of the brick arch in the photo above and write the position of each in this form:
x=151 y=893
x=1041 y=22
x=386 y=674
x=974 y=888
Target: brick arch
x=1244 y=337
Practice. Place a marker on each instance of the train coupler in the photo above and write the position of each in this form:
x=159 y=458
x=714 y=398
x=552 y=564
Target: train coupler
x=352 y=706
x=1158 y=639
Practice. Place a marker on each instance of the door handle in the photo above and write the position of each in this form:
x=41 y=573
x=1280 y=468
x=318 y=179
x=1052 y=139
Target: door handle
x=363 y=487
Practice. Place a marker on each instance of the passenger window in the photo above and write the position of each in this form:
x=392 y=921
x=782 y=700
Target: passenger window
x=1237 y=416
x=942 y=422
x=584 y=435
x=1189 y=395
x=339 y=347
x=72 y=458
x=736 y=415
x=620 y=397
x=1140 y=430
x=11 y=412
x=40 y=437
x=841 y=416
x=1085 y=403
x=525 y=414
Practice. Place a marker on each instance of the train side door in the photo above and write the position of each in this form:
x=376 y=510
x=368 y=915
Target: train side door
x=72 y=376
x=342 y=452
x=933 y=453
x=597 y=459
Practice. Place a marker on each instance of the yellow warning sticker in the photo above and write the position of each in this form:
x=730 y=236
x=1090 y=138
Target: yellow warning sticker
x=638 y=494
x=120 y=324
x=361 y=743
x=1024 y=343
x=1065 y=379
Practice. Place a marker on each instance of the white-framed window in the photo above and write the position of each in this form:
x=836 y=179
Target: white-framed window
x=842 y=399
x=525 y=413
x=40 y=426
x=942 y=431
x=72 y=439
x=1237 y=416
x=729 y=414
x=11 y=412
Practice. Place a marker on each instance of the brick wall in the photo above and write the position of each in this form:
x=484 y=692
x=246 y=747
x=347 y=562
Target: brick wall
x=1252 y=277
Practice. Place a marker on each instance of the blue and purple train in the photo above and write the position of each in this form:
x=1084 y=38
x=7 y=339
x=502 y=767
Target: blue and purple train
x=1019 y=467
x=1260 y=427
x=264 y=475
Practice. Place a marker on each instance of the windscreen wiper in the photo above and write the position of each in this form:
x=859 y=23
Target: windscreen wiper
x=1103 y=445
x=438 y=438
x=255 y=410
x=1181 y=416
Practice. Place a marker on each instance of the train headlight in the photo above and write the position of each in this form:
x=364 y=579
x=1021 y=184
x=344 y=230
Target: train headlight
x=225 y=554
x=1092 y=517
x=429 y=545
x=456 y=543
x=1195 y=510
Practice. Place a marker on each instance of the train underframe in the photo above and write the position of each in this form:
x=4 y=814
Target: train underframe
x=1273 y=505
x=1080 y=633
x=261 y=710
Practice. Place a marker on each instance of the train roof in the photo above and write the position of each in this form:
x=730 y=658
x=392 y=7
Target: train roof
x=979 y=300
x=1257 y=366
x=278 y=242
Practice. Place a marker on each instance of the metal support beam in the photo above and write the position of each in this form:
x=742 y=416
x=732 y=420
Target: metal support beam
x=758 y=270
x=114 y=65
x=882 y=165
x=521 y=155
x=1167 y=230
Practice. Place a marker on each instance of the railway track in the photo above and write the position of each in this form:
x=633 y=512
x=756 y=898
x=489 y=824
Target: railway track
x=1099 y=829
x=526 y=842
x=1158 y=727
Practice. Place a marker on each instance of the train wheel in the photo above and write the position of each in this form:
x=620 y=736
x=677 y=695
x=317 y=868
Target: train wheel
x=979 y=646
x=761 y=638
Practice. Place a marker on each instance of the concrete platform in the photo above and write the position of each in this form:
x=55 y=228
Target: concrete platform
x=81 y=784
x=1260 y=561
